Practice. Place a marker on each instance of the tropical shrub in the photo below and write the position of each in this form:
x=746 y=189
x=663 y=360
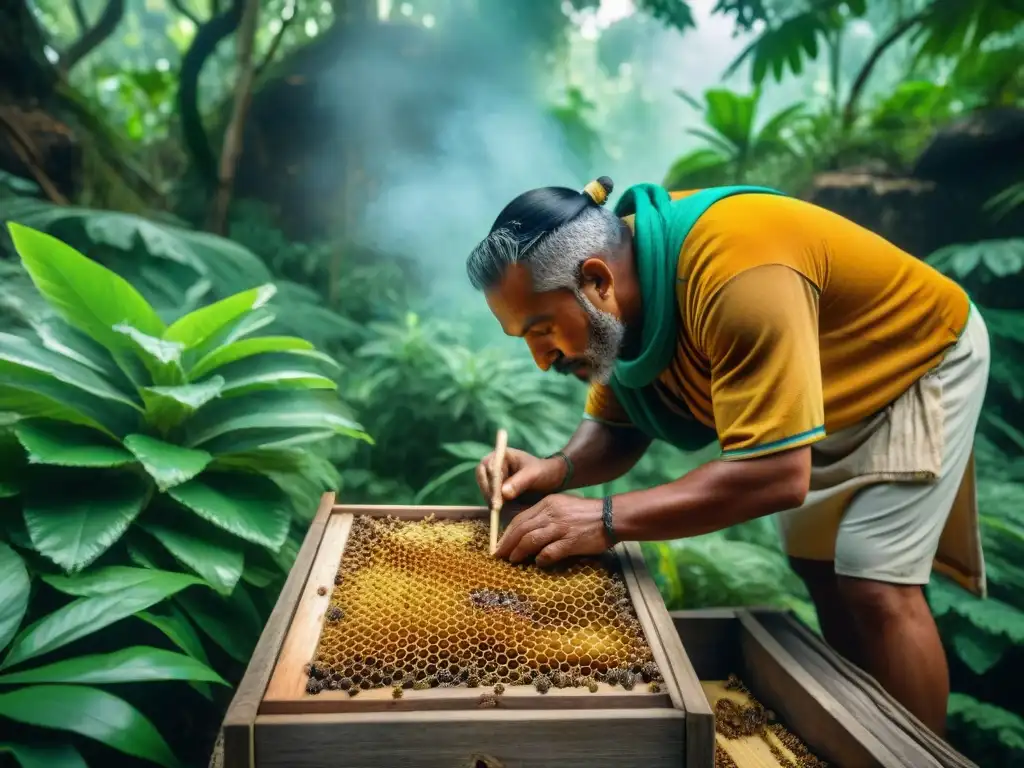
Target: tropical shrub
x=160 y=472
x=984 y=638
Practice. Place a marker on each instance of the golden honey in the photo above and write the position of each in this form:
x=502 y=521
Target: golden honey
x=421 y=604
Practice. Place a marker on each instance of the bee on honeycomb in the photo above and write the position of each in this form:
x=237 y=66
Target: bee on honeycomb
x=425 y=606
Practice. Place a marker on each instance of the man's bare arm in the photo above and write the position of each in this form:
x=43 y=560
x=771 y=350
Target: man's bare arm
x=600 y=453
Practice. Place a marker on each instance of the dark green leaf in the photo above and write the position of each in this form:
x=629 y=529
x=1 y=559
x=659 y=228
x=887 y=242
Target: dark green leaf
x=228 y=624
x=69 y=445
x=86 y=615
x=28 y=395
x=987 y=718
x=168 y=464
x=73 y=529
x=86 y=294
x=16 y=352
x=15 y=589
x=250 y=507
x=117 y=579
x=218 y=563
x=313 y=410
x=179 y=630
x=979 y=650
x=137 y=664
x=92 y=713
x=272 y=371
x=55 y=756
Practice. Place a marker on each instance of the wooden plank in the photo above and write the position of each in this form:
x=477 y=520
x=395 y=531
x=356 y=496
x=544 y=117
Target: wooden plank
x=405 y=512
x=241 y=715
x=821 y=722
x=700 y=721
x=627 y=738
x=712 y=641
x=467 y=699
x=906 y=736
x=288 y=682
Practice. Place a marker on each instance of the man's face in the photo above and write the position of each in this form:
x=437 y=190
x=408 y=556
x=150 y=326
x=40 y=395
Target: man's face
x=573 y=332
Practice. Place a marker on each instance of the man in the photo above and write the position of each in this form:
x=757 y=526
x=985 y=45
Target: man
x=842 y=377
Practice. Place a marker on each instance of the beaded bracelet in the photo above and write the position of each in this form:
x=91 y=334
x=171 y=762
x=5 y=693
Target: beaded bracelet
x=568 y=469
x=606 y=520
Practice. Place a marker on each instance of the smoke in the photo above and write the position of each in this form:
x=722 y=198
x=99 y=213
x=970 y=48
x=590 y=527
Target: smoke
x=456 y=124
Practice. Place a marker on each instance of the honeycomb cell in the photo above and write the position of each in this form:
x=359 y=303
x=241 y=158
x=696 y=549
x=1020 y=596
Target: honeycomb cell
x=421 y=604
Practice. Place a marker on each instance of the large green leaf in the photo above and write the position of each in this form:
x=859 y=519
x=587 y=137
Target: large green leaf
x=162 y=359
x=69 y=445
x=116 y=579
x=33 y=395
x=86 y=294
x=74 y=528
x=16 y=352
x=216 y=561
x=240 y=350
x=137 y=664
x=126 y=593
x=168 y=464
x=259 y=449
x=178 y=629
x=167 y=407
x=313 y=410
x=92 y=713
x=248 y=506
x=233 y=624
x=196 y=327
x=35 y=756
x=14 y=593
x=272 y=371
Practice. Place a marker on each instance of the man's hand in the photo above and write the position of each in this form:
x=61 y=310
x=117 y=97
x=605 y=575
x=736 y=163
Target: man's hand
x=558 y=527
x=522 y=473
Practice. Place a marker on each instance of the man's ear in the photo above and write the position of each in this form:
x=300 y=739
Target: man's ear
x=598 y=282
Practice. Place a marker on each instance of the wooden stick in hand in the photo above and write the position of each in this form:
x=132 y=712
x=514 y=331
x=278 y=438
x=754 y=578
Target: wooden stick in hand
x=497 y=470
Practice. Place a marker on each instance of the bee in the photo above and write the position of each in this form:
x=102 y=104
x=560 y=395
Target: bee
x=499 y=689
x=542 y=684
x=396 y=692
x=334 y=613
x=321 y=591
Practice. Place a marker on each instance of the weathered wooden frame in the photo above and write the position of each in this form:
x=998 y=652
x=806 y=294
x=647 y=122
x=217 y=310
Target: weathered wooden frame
x=725 y=641
x=271 y=717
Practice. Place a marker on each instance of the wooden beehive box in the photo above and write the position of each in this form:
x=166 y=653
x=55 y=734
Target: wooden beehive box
x=841 y=714
x=275 y=722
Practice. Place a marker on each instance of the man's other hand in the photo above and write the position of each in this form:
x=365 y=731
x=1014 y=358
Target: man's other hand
x=522 y=473
x=558 y=527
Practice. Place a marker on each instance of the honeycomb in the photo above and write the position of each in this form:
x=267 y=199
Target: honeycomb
x=746 y=734
x=422 y=604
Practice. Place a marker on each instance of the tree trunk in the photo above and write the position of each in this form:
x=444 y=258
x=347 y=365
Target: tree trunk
x=35 y=142
x=232 y=146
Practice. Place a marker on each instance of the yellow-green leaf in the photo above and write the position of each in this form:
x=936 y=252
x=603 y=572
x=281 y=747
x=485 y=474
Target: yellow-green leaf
x=89 y=296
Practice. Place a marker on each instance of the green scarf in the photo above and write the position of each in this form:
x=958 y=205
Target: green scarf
x=660 y=228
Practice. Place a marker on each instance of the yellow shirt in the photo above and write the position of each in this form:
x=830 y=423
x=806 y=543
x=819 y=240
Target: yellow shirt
x=795 y=323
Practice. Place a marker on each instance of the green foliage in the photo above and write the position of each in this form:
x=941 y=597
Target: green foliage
x=733 y=142
x=149 y=456
x=985 y=637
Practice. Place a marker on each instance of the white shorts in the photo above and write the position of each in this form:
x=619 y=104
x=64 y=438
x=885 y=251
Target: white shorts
x=890 y=532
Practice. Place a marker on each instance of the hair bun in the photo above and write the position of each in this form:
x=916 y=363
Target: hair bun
x=599 y=189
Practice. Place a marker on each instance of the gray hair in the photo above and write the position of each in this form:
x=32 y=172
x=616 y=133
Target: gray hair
x=554 y=258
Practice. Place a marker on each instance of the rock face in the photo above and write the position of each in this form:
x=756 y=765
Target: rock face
x=941 y=201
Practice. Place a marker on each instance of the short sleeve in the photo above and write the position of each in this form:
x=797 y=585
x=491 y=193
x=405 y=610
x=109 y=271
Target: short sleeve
x=760 y=333
x=603 y=407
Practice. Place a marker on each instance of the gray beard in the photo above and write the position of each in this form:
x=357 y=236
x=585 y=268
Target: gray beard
x=607 y=337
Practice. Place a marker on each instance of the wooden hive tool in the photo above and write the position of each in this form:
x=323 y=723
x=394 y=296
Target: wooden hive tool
x=497 y=470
